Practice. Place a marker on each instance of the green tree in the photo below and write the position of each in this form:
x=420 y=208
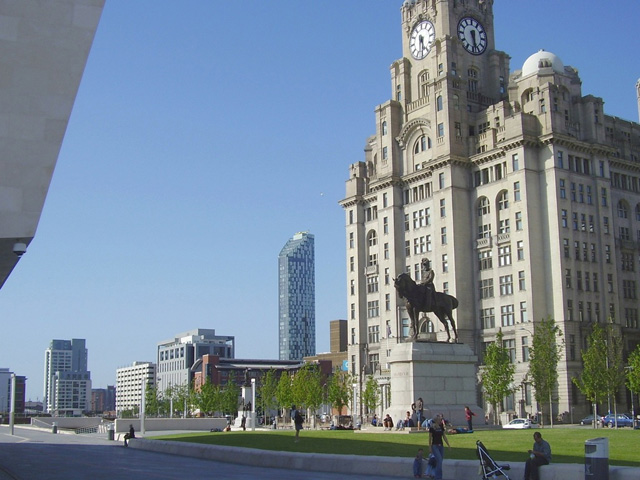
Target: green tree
x=497 y=373
x=339 y=390
x=371 y=394
x=633 y=375
x=284 y=395
x=230 y=395
x=615 y=366
x=268 y=392
x=151 y=403
x=592 y=381
x=206 y=399
x=545 y=353
x=306 y=387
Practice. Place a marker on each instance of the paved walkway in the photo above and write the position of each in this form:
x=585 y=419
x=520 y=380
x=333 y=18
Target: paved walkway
x=33 y=454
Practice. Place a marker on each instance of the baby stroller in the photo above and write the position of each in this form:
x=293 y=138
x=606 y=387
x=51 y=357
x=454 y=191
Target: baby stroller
x=490 y=469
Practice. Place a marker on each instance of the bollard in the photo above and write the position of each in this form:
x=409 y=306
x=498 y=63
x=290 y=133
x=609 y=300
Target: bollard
x=110 y=432
x=596 y=459
x=54 y=427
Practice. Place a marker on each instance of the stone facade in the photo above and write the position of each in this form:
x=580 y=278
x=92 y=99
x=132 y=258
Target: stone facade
x=521 y=191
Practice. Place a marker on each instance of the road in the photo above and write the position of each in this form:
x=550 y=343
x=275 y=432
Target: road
x=32 y=454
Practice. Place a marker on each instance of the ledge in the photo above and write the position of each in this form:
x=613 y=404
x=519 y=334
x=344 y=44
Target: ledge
x=356 y=464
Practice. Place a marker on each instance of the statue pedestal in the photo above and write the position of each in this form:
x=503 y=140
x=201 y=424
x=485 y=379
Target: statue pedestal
x=247 y=395
x=443 y=374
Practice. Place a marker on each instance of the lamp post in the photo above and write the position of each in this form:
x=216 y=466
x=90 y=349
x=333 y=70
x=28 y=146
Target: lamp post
x=253 y=404
x=13 y=402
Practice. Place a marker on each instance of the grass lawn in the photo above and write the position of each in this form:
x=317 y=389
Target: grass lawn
x=567 y=444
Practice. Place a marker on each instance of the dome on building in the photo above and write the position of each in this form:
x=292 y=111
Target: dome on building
x=542 y=59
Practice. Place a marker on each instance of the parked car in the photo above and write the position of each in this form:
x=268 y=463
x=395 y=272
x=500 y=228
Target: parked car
x=587 y=420
x=622 y=419
x=520 y=423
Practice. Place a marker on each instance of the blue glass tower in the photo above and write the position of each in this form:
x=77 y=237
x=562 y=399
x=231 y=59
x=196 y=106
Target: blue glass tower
x=297 y=298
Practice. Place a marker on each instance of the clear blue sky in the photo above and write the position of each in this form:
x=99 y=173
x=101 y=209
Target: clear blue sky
x=205 y=134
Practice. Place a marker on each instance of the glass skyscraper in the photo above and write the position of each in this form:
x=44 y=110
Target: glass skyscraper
x=297 y=298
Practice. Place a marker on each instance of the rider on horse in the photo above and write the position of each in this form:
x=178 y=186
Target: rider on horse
x=427 y=275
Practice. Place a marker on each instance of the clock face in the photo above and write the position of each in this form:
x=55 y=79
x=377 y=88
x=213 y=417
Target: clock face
x=472 y=35
x=422 y=38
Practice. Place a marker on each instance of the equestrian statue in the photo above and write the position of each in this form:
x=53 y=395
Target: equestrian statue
x=422 y=297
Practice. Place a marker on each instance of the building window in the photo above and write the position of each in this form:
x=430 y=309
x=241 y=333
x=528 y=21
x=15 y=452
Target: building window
x=443 y=209
x=443 y=235
x=385 y=153
x=487 y=318
x=484 y=207
x=486 y=288
x=441 y=180
x=503 y=200
x=521 y=280
x=439 y=103
x=372 y=284
x=445 y=263
x=523 y=312
x=352 y=266
x=374 y=334
x=516 y=191
x=520 y=249
x=353 y=311
x=384 y=128
x=507 y=315
x=373 y=309
x=525 y=348
x=485 y=261
x=563 y=190
x=515 y=163
x=504 y=256
x=441 y=130
x=567 y=277
x=506 y=285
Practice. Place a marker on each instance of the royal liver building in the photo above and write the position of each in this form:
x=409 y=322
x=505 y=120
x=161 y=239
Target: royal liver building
x=520 y=190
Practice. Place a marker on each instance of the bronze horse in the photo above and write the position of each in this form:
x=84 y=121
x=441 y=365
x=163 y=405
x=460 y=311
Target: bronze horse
x=418 y=299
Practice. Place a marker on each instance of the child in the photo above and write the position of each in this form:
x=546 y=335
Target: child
x=417 y=464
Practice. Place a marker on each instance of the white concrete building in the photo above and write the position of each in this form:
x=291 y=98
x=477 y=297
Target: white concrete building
x=522 y=192
x=130 y=382
x=44 y=51
x=67 y=382
x=176 y=356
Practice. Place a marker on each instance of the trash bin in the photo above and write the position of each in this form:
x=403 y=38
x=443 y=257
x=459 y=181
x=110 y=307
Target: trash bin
x=596 y=459
x=54 y=427
x=110 y=432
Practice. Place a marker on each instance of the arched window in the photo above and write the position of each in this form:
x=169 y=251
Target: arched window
x=484 y=220
x=384 y=128
x=372 y=239
x=372 y=252
x=423 y=87
x=484 y=206
x=439 y=103
x=623 y=211
x=503 y=200
x=422 y=144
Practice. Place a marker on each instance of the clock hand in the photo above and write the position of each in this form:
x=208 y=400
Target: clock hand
x=473 y=37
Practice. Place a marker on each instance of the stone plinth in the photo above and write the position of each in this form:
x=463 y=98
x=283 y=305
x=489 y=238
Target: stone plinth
x=443 y=374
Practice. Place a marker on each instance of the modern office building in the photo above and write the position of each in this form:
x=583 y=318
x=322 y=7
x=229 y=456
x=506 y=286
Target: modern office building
x=6 y=392
x=520 y=190
x=67 y=382
x=297 y=298
x=103 y=400
x=44 y=52
x=130 y=382
x=177 y=355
